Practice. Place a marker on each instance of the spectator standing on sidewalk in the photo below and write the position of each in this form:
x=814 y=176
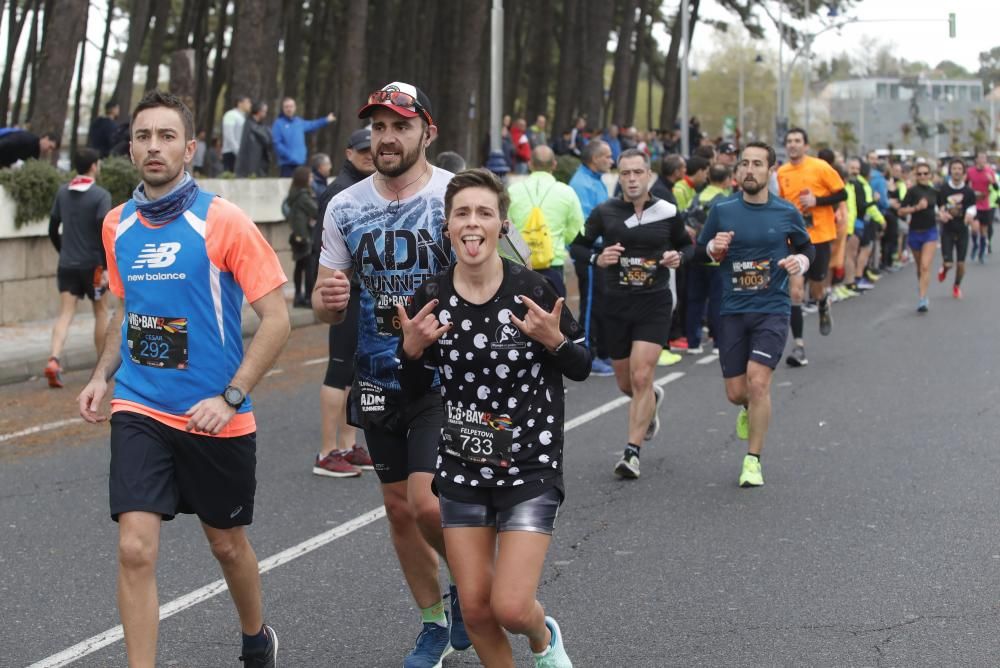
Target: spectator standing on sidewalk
x=289 y=136
x=232 y=131
x=79 y=208
x=301 y=217
x=255 y=146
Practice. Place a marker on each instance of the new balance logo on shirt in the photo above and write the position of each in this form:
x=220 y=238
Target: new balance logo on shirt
x=155 y=256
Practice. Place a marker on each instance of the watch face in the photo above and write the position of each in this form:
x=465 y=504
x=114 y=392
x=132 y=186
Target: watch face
x=233 y=396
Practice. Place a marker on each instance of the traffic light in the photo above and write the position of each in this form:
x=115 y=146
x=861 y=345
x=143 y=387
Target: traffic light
x=951 y=24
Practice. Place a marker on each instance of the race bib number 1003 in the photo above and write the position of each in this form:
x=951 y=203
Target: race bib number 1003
x=751 y=275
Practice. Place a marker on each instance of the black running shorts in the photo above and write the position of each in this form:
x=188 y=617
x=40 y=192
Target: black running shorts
x=821 y=263
x=638 y=317
x=77 y=282
x=405 y=439
x=159 y=469
x=751 y=336
x=954 y=241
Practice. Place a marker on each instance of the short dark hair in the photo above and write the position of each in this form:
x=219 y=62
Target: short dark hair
x=865 y=168
x=801 y=131
x=85 y=159
x=590 y=150
x=256 y=106
x=450 y=161
x=719 y=173
x=109 y=105
x=239 y=98
x=158 y=98
x=476 y=178
x=634 y=153
x=957 y=161
x=53 y=137
x=671 y=164
x=772 y=158
x=696 y=164
x=827 y=155
x=706 y=151
x=301 y=177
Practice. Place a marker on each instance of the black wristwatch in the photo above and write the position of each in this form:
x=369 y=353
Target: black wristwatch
x=234 y=396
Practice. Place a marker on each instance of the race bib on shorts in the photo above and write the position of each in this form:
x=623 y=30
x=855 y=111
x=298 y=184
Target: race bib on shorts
x=636 y=272
x=478 y=437
x=751 y=275
x=386 y=317
x=158 y=341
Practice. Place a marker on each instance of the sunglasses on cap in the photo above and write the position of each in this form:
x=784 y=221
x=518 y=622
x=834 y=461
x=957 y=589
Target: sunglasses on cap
x=398 y=98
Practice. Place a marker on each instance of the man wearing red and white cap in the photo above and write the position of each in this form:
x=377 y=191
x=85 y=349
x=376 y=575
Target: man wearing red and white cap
x=388 y=230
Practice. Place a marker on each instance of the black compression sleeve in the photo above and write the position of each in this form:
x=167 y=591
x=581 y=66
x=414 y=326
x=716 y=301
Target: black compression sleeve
x=573 y=360
x=806 y=249
x=54 y=235
x=830 y=200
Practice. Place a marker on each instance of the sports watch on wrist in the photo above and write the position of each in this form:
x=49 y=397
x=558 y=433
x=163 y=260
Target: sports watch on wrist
x=234 y=396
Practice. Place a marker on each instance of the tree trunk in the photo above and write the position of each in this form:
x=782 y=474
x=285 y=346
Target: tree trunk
x=618 y=99
x=66 y=28
x=256 y=33
x=293 y=49
x=319 y=58
x=385 y=20
x=95 y=108
x=404 y=61
x=36 y=50
x=138 y=27
x=352 y=73
x=672 y=76
x=596 y=27
x=461 y=68
x=540 y=61
x=201 y=50
x=569 y=59
x=219 y=69
x=182 y=80
x=162 y=14
x=74 y=133
x=27 y=66
x=641 y=39
x=14 y=29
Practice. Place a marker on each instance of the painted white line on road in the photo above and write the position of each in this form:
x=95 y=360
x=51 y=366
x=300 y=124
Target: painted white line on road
x=39 y=428
x=714 y=357
x=611 y=405
x=318 y=360
x=111 y=636
x=273 y=372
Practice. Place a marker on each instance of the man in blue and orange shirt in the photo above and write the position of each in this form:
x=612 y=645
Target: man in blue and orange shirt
x=182 y=427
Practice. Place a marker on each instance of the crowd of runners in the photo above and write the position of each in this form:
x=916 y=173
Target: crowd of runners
x=449 y=346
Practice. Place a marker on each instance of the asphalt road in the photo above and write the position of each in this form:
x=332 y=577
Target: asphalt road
x=874 y=542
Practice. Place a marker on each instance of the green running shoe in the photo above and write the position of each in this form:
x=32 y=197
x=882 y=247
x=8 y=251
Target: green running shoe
x=751 y=475
x=743 y=424
x=555 y=654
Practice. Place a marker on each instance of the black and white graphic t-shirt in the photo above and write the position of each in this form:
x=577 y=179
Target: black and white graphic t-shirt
x=502 y=391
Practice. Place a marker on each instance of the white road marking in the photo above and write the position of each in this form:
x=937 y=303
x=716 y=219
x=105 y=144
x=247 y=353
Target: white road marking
x=39 y=428
x=273 y=372
x=714 y=357
x=111 y=636
x=318 y=360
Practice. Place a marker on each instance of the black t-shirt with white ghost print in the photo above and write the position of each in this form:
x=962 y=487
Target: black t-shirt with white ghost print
x=502 y=439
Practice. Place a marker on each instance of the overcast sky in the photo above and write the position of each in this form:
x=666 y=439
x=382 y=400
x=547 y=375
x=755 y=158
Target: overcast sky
x=895 y=21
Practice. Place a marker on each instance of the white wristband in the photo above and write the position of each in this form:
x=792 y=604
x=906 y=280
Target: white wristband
x=803 y=263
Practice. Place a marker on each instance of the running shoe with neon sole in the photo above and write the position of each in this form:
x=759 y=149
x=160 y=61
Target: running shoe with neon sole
x=942 y=274
x=459 y=636
x=743 y=424
x=432 y=646
x=956 y=292
x=53 y=372
x=335 y=465
x=266 y=658
x=627 y=467
x=554 y=655
x=668 y=358
x=679 y=344
x=864 y=285
x=751 y=475
x=654 y=424
x=358 y=456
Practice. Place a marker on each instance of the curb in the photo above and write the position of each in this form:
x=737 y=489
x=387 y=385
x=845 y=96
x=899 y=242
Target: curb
x=78 y=357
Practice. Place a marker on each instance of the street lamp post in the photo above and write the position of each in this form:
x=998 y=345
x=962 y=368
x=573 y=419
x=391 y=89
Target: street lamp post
x=495 y=162
x=739 y=121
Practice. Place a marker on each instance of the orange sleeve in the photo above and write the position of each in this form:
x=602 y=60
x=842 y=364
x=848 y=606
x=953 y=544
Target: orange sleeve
x=108 y=234
x=234 y=244
x=832 y=179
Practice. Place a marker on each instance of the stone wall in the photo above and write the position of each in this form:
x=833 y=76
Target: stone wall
x=28 y=261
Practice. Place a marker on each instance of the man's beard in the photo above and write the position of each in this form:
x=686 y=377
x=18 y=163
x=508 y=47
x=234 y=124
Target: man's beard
x=161 y=178
x=754 y=189
x=406 y=160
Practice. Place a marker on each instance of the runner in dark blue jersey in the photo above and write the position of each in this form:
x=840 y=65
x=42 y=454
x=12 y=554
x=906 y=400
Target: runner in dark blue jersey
x=759 y=240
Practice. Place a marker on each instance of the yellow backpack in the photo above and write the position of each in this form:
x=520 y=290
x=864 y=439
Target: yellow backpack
x=536 y=235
